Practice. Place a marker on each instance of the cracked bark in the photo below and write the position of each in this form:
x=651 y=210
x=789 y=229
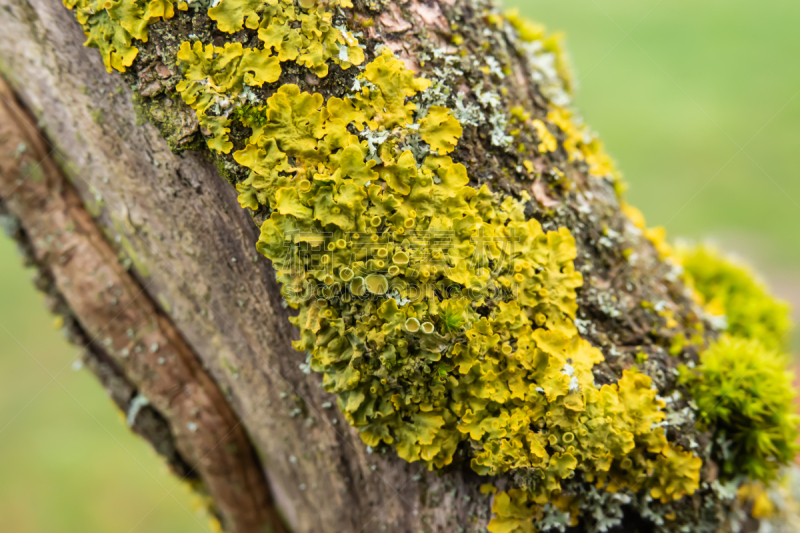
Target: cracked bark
x=190 y=248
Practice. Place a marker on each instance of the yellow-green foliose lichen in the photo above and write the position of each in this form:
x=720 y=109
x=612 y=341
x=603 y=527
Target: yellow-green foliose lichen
x=110 y=26
x=436 y=312
x=302 y=32
x=217 y=76
x=214 y=80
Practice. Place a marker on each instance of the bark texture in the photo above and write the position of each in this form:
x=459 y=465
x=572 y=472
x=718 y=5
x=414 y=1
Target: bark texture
x=137 y=353
x=175 y=222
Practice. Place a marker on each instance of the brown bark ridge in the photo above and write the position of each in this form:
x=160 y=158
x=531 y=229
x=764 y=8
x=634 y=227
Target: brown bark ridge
x=130 y=337
x=191 y=248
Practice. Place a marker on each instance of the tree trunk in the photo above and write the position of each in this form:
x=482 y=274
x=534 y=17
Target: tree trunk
x=148 y=231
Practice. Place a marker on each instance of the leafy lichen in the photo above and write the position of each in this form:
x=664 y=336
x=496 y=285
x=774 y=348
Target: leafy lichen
x=111 y=26
x=215 y=77
x=440 y=314
x=430 y=344
x=301 y=32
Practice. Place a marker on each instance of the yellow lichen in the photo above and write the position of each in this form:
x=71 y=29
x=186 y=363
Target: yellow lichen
x=583 y=145
x=547 y=143
x=111 y=26
x=303 y=33
x=514 y=513
x=440 y=129
x=656 y=235
x=675 y=474
x=215 y=76
x=387 y=107
x=433 y=309
x=756 y=494
x=530 y=31
x=389 y=259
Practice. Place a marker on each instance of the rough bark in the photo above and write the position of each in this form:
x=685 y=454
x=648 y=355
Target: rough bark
x=135 y=350
x=176 y=223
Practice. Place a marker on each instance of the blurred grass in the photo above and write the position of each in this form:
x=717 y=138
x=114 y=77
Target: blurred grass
x=674 y=101
x=68 y=461
x=676 y=89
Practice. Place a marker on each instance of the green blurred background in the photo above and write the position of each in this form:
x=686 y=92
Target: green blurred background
x=697 y=101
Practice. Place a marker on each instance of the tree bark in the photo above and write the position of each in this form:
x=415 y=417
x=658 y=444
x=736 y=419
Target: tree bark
x=136 y=351
x=213 y=307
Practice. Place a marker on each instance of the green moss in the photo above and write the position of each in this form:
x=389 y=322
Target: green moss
x=731 y=290
x=744 y=393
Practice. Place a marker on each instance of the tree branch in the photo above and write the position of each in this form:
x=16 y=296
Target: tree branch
x=137 y=351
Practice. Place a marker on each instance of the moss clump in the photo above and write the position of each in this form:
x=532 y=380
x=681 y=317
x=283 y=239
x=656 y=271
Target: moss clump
x=726 y=288
x=744 y=393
